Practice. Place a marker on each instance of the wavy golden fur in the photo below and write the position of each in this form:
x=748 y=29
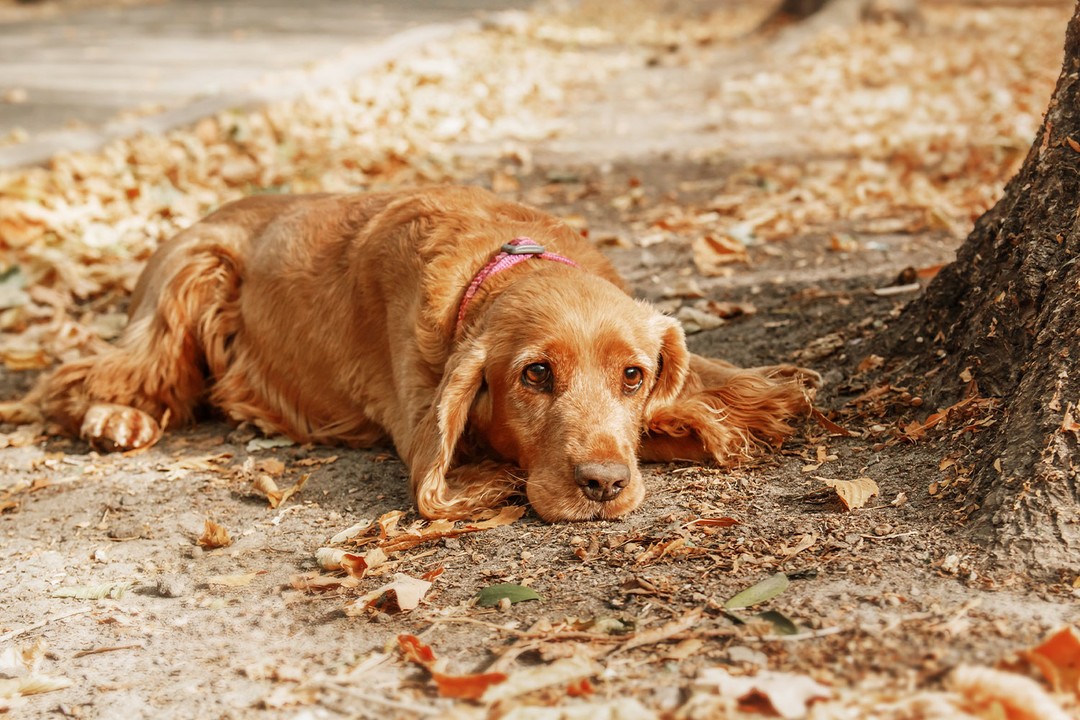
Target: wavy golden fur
x=332 y=319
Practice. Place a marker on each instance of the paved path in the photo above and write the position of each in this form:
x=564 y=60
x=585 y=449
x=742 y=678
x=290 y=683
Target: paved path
x=193 y=58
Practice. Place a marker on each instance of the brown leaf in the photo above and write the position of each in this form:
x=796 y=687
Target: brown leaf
x=462 y=687
x=271 y=466
x=853 y=493
x=214 y=536
x=996 y=693
x=238 y=580
x=713 y=253
x=314 y=582
x=1058 y=659
x=403 y=592
x=787 y=694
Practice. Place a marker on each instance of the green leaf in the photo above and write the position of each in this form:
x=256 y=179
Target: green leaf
x=491 y=595
x=767 y=589
x=782 y=624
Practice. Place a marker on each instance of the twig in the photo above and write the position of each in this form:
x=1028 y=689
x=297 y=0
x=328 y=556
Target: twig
x=809 y=635
x=11 y=635
x=527 y=635
x=661 y=634
x=99 y=650
x=890 y=537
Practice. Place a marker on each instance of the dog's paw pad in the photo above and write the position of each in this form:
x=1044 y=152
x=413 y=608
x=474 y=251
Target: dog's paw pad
x=119 y=427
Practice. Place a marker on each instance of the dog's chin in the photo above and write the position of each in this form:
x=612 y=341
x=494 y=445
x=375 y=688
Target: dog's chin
x=556 y=500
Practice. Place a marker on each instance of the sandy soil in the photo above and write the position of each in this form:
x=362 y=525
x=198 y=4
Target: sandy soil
x=887 y=600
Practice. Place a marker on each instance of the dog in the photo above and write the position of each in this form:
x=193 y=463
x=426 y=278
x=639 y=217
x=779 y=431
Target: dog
x=495 y=347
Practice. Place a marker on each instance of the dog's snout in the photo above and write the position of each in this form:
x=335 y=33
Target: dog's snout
x=602 y=481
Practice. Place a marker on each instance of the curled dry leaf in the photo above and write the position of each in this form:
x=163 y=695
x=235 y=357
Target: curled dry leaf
x=462 y=687
x=266 y=486
x=712 y=253
x=993 y=693
x=350 y=532
x=20 y=673
x=114 y=590
x=1058 y=659
x=560 y=673
x=788 y=694
x=237 y=580
x=404 y=592
x=314 y=582
x=214 y=536
x=355 y=564
x=854 y=494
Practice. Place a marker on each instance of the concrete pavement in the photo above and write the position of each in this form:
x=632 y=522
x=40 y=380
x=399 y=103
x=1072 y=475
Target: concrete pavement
x=63 y=80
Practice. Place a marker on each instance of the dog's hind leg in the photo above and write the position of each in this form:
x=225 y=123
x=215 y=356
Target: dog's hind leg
x=182 y=320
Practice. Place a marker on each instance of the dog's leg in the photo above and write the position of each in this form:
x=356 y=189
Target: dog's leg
x=122 y=398
x=723 y=411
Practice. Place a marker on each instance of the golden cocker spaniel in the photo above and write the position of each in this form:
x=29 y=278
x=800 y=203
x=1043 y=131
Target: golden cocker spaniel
x=494 y=346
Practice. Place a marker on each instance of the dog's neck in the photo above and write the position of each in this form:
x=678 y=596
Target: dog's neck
x=510 y=255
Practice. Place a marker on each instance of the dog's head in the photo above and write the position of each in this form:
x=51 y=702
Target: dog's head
x=558 y=379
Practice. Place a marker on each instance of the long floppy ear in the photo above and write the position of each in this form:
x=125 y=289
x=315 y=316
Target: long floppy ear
x=431 y=449
x=673 y=364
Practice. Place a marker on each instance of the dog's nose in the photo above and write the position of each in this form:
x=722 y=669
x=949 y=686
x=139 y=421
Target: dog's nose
x=602 y=481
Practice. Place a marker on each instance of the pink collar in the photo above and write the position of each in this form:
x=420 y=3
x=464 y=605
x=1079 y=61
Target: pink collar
x=516 y=251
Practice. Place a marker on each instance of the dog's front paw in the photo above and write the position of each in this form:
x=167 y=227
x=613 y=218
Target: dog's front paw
x=112 y=428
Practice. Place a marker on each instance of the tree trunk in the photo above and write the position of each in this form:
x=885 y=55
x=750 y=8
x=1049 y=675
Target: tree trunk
x=795 y=22
x=1008 y=311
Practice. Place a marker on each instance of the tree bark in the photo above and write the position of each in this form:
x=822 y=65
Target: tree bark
x=795 y=22
x=1008 y=311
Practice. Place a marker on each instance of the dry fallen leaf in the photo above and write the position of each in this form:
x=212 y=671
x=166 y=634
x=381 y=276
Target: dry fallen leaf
x=1058 y=659
x=114 y=590
x=463 y=687
x=712 y=253
x=20 y=674
x=403 y=592
x=238 y=580
x=560 y=673
x=788 y=694
x=266 y=486
x=214 y=536
x=993 y=693
x=314 y=582
x=854 y=494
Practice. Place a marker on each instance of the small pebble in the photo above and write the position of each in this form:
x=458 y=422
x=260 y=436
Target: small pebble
x=743 y=654
x=173 y=586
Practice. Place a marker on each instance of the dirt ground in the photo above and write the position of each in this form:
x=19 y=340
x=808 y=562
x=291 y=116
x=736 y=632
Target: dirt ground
x=664 y=130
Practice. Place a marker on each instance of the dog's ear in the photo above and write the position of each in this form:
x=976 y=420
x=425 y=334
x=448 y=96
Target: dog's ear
x=432 y=446
x=673 y=363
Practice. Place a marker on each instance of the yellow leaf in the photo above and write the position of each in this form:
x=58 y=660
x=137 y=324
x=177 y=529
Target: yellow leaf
x=853 y=493
x=214 y=536
x=712 y=252
x=234 y=580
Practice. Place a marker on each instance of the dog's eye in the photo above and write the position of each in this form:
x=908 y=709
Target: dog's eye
x=537 y=375
x=632 y=378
